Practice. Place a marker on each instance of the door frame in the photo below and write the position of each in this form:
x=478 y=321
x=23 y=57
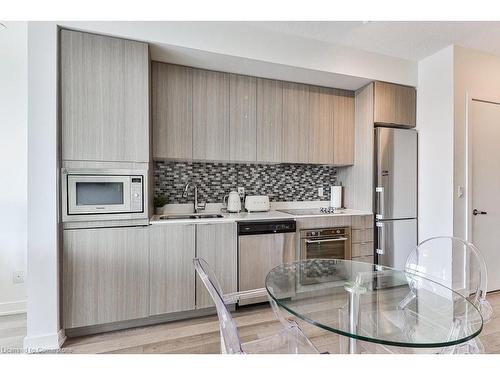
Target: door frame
x=468 y=159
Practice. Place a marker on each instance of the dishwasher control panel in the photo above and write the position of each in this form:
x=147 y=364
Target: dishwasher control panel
x=266 y=227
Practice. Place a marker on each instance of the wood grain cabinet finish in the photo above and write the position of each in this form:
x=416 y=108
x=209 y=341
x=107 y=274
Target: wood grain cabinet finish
x=210 y=115
x=105 y=276
x=394 y=104
x=216 y=243
x=242 y=118
x=172 y=109
x=269 y=120
x=343 y=127
x=104 y=98
x=295 y=123
x=321 y=115
x=172 y=276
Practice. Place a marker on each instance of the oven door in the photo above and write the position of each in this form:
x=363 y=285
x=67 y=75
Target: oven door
x=98 y=194
x=334 y=247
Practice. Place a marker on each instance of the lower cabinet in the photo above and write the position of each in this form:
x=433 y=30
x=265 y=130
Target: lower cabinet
x=104 y=275
x=171 y=253
x=216 y=243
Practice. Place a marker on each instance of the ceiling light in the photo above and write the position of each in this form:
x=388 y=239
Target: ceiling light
x=2 y=26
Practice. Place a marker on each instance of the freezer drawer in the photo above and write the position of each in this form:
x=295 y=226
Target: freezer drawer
x=395 y=240
x=396 y=173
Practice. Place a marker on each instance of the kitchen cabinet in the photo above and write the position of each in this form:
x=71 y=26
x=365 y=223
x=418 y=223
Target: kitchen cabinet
x=216 y=243
x=295 y=122
x=242 y=118
x=104 y=98
x=394 y=104
x=172 y=110
x=172 y=275
x=362 y=238
x=269 y=120
x=210 y=115
x=343 y=127
x=104 y=275
x=321 y=113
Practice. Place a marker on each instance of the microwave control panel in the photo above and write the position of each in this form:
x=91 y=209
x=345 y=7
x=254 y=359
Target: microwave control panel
x=136 y=194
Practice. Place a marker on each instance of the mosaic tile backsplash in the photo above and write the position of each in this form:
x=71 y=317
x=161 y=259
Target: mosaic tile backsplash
x=282 y=182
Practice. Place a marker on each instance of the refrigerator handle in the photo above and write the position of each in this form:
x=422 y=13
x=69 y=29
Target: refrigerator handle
x=380 y=239
x=380 y=202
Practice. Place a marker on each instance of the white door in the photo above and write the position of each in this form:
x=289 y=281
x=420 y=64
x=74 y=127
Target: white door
x=484 y=133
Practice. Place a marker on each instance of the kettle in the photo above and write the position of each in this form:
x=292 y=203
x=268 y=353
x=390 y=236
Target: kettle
x=233 y=202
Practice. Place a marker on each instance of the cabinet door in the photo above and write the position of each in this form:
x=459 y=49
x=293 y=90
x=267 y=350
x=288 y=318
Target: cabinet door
x=104 y=98
x=269 y=120
x=210 y=115
x=216 y=243
x=105 y=275
x=172 y=111
x=242 y=120
x=172 y=249
x=394 y=104
x=295 y=122
x=320 y=149
x=259 y=254
x=343 y=127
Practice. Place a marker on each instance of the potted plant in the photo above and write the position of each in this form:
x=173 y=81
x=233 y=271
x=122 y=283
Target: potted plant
x=159 y=203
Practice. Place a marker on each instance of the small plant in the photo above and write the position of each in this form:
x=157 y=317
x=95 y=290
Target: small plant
x=160 y=201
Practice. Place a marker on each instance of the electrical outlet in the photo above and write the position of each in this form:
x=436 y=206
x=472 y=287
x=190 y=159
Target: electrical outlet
x=320 y=192
x=241 y=191
x=18 y=277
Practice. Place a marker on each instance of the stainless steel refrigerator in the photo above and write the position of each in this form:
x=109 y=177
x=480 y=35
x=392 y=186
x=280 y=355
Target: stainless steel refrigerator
x=395 y=195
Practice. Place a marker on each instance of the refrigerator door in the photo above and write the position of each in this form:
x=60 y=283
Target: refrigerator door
x=395 y=240
x=396 y=173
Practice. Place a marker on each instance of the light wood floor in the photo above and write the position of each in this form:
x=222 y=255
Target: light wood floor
x=201 y=335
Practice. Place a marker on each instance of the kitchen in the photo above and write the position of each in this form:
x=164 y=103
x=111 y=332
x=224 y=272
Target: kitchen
x=164 y=158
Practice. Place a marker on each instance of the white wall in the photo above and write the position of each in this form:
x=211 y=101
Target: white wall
x=435 y=144
x=13 y=164
x=43 y=266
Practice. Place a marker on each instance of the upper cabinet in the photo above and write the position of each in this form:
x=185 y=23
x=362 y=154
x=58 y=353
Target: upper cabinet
x=343 y=127
x=321 y=109
x=394 y=104
x=269 y=120
x=206 y=115
x=210 y=115
x=104 y=98
x=295 y=122
x=242 y=118
x=172 y=109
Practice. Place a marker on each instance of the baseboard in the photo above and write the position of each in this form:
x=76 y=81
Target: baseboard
x=11 y=308
x=44 y=343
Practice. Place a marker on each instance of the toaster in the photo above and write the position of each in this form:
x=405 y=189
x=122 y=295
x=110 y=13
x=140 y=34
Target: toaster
x=257 y=203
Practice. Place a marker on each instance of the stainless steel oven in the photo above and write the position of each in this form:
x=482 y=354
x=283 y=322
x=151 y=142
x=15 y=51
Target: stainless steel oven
x=325 y=243
x=94 y=194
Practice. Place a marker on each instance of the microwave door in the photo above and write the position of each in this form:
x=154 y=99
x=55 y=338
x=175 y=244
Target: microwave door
x=98 y=194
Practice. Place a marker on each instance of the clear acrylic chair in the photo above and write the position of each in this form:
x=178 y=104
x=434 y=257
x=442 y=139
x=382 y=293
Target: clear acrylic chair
x=458 y=265
x=290 y=340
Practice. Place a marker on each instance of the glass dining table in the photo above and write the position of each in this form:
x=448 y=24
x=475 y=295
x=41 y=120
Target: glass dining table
x=375 y=304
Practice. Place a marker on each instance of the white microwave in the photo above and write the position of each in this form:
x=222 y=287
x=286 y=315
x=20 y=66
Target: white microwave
x=90 y=194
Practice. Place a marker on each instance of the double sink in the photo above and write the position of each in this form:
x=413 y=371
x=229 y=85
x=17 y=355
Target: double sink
x=190 y=216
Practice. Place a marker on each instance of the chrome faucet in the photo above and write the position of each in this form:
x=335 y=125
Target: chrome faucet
x=197 y=205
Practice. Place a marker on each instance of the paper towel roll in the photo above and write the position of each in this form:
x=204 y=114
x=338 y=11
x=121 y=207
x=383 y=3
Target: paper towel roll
x=336 y=196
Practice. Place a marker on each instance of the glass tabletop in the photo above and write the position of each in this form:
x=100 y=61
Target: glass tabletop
x=374 y=303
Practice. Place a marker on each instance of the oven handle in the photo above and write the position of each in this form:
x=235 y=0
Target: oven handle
x=327 y=240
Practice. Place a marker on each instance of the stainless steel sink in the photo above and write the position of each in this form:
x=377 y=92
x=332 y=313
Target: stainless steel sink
x=190 y=216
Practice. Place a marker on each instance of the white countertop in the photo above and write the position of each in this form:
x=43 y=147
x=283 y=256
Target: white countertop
x=245 y=216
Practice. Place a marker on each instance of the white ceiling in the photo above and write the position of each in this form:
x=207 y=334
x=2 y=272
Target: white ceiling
x=407 y=40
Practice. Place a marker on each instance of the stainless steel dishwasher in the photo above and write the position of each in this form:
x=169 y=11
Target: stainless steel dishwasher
x=263 y=245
